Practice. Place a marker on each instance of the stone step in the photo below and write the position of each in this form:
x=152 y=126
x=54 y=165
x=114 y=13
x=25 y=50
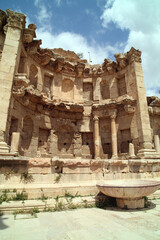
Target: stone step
x=47 y=205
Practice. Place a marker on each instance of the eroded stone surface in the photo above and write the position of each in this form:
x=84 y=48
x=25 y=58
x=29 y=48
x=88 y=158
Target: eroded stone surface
x=70 y=115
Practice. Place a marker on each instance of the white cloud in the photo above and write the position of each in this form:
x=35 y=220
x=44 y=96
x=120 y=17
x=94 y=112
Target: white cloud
x=43 y=14
x=142 y=19
x=58 y=2
x=77 y=43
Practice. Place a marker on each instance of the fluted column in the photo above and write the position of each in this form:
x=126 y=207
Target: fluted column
x=113 y=134
x=96 y=137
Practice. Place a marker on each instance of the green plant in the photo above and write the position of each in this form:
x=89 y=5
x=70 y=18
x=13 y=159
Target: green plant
x=21 y=211
x=43 y=197
x=59 y=206
x=70 y=204
x=14 y=190
x=57 y=179
x=26 y=177
x=3 y=197
x=85 y=204
x=146 y=203
x=20 y=196
x=34 y=211
x=68 y=195
x=8 y=173
x=47 y=209
x=57 y=198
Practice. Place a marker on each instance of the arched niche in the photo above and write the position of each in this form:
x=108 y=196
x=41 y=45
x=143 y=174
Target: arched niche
x=65 y=135
x=67 y=89
x=33 y=75
x=26 y=135
x=105 y=135
x=125 y=140
x=104 y=89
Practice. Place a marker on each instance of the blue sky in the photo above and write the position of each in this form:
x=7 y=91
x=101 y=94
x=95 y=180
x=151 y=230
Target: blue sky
x=101 y=27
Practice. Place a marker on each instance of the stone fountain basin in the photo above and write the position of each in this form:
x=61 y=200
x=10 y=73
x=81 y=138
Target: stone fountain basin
x=128 y=188
x=129 y=192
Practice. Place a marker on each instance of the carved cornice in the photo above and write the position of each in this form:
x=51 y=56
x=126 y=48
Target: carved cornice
x=33 y=47
x=122 y=60
x=129 y=109
x=111 y=104
x=20 y=82
x=15 y=20
x=79 y=69
x=29 y=33
x=134 y=55
x=59 y=63
x=3 y=19
x=113 y=113
x=109 y=66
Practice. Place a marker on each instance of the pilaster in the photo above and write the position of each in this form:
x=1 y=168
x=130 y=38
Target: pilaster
x=9 y=60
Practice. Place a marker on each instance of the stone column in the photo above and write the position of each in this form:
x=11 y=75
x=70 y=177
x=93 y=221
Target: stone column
x=96 y=137
x=156 y=143
x=114 y=133
x=15 y=142
x=8 y=63
x=143 y=122
x=131 y=150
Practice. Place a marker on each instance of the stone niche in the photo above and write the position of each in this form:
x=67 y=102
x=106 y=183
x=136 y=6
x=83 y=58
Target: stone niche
x=65 y=136
x=33 y=75
x=22 y=64
x=26 y=137
x=43 y=141
x=105 y=137
x=104 y=89
x=125 y=135
x=87 y=144
x=87 y=91
x=13 y=128
x=121 y=85
x=47 y=85
x=67 y=89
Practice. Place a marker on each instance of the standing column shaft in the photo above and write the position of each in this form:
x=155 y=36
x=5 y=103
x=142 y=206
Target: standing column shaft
x=8 y=64
x=15 y=142
x=96 y=137
x=114 y=136
x=156 y=143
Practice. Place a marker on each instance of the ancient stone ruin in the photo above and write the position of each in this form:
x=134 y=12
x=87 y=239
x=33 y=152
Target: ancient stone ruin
x=61 y=115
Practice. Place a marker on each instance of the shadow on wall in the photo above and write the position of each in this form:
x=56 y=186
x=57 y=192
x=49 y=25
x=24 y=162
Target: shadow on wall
x=26 y=135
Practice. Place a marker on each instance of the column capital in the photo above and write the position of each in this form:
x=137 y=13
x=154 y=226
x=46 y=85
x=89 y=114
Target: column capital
x=95 y=118
x=113 y=113
x=16 y=20
x=3 y=19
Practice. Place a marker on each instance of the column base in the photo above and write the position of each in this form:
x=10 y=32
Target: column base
x=148 y=153
x=130 y=203
x=4 y=148
x=114 y=157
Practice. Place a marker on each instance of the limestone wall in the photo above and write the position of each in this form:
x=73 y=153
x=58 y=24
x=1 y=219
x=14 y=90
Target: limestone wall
x=62 y=106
